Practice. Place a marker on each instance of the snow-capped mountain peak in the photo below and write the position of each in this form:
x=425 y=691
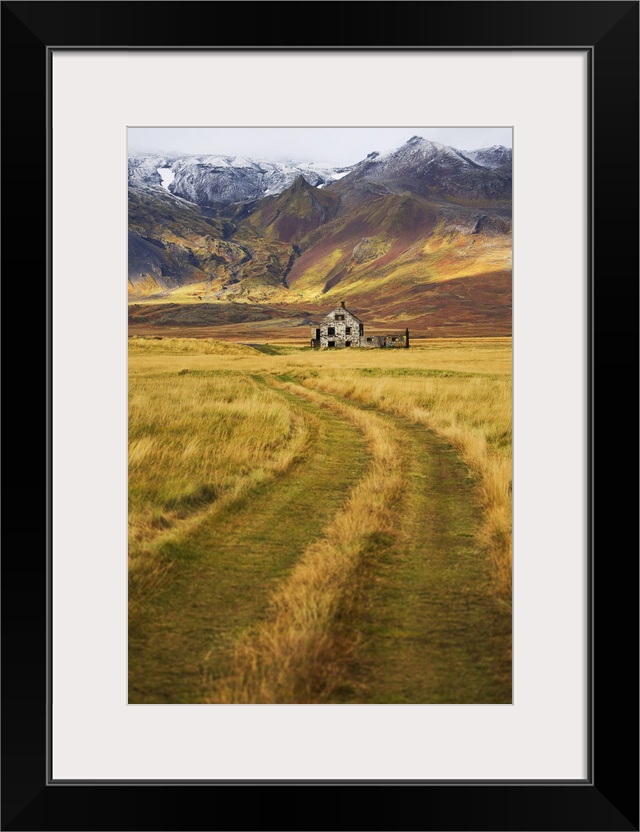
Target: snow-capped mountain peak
x=427 y=167
x=419 y=165
x=490 y=157
x=222 y=180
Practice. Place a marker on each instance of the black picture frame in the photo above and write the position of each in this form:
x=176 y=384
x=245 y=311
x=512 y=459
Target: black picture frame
x=608 y=798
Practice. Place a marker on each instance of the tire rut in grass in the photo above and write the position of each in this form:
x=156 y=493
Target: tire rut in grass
x=430 y=626
x=225 y=570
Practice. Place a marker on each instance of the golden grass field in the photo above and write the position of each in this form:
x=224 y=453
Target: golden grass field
x=252 y=602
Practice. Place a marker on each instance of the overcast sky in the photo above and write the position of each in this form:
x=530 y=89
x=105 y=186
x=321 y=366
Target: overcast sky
x=335 y=145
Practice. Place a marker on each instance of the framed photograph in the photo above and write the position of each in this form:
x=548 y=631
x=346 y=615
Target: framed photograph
x=104 y=702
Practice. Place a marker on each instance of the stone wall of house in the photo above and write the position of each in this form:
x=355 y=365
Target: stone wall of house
x=395 y=340
x=339 y=320
x=373 y=341
x=386 y=341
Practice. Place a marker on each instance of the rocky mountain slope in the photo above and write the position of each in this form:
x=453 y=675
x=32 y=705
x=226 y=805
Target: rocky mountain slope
x=225 y=180
x=496 y=156
x=386 y=233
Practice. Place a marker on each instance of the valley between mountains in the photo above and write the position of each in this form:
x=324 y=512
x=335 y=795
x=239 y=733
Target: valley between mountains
x=234 y=247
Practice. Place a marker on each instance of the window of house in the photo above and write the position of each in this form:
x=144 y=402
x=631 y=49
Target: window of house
x=361 y=329
x=331 y=343
x=347 y=343
x=331 y=330
x=369 y=340
x=348 y=330
x=339 y=317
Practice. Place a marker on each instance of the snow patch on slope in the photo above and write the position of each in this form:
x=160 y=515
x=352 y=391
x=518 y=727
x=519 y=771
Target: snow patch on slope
x=167 y=176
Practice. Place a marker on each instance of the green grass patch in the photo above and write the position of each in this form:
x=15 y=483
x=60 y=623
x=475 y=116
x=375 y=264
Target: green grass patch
x=399 y=372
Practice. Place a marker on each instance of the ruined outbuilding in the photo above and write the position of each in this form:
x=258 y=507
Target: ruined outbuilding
x=341 y=328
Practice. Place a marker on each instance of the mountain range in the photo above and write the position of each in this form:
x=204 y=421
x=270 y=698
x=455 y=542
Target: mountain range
x=420 y=234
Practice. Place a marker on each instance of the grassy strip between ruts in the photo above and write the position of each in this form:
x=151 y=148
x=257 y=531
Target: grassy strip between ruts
x=471 y=412
x=297 y=654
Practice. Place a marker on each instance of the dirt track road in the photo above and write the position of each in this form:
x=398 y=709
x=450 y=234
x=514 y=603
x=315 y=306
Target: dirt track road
x=428 y=627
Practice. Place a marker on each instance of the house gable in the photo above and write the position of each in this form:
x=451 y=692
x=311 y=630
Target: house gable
x=341 y=314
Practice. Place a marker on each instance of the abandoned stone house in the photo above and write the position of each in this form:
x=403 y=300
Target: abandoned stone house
x=341 y=328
